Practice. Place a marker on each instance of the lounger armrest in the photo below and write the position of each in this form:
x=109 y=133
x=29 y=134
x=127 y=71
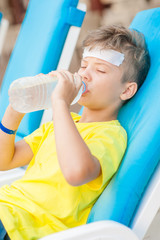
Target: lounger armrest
x=7 y=177
x=106 y=230
x=4 y=24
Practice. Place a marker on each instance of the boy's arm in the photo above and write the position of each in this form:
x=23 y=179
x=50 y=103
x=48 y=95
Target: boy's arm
x=13 y=154
x=77 y=163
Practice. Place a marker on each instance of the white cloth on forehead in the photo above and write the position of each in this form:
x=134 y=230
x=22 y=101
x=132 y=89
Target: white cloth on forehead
x=109 y=55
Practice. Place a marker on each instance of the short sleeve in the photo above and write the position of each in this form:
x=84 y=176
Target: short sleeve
x=35 y=138
x=108 y=146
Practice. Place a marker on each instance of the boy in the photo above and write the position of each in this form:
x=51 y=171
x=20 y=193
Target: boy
x=72 y=159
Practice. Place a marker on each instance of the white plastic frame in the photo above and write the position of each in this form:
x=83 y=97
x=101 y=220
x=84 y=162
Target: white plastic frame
x=4 y=24
x=66 y=56
x=148 y=207
x=7 y=177
x=102 y=230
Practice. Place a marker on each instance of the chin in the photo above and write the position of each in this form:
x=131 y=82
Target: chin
x=83 y=101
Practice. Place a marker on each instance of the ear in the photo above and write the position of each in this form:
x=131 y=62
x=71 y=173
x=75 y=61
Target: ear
x=130 y=90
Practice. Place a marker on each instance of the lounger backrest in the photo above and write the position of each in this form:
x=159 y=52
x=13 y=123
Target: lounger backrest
x=141 y=119
x=38 y=48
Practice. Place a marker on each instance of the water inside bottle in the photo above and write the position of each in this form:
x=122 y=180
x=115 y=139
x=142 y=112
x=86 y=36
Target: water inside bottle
x=31 y=97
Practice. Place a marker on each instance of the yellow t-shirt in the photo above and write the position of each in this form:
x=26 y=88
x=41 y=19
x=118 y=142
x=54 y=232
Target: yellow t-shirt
x=42 y=202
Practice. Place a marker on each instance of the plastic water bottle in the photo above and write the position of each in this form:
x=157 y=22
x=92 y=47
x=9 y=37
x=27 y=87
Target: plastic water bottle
x=29 y=94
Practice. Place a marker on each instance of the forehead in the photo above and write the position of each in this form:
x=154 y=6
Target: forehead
x=99 y=62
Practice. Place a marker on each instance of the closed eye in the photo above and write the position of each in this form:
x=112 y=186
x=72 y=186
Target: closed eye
x=83 y=67
x=101 y=71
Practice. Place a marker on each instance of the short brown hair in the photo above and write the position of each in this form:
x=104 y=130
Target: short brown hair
x=129 y=42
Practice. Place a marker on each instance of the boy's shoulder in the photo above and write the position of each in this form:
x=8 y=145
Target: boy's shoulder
x=108 y=127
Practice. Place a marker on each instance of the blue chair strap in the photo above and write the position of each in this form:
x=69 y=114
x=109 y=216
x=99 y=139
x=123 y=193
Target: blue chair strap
x=1 y=15
x=75 y=17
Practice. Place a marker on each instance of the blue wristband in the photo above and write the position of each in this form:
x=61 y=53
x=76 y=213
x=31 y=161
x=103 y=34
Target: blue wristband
x=6 y=130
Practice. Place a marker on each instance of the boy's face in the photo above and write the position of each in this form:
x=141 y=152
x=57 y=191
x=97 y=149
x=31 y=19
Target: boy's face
x=103 y=83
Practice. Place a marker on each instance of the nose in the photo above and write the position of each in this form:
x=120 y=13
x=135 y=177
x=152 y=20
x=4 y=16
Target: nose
x=85 y=74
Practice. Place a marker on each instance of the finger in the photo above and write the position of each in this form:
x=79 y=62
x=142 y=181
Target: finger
x=68 y=75
x=58 y=74
x=52 y=73
x=74 y=78
x=65 y=75
x=78 y=80
x=40 y=74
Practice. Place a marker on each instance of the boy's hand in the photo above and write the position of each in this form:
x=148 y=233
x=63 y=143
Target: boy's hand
x=67 y=87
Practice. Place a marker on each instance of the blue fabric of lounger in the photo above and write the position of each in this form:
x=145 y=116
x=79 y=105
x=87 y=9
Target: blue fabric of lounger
x=141 y=118
x=38 y=48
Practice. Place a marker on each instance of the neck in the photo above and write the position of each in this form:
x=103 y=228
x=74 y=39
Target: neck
x=89 y=115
